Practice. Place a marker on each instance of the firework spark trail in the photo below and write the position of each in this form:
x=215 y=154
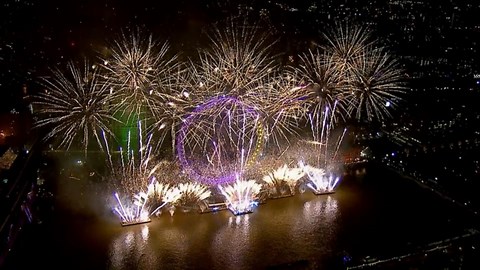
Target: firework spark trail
x=237 y=63
x=192 y=194
x=73 y=105
x=376 y=80
x=319 y=181
x=226 y=140
x=124 y=215
x=240 y=196
x=346 y=43
x=144 y=81
x=107 y=148
x=324 y=133
x=290 y=176
x=338 y=143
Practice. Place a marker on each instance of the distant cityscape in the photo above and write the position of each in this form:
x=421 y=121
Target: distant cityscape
x=433 y=138
x=437 y=42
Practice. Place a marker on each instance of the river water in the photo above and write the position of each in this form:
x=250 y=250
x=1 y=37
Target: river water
x=376 y=213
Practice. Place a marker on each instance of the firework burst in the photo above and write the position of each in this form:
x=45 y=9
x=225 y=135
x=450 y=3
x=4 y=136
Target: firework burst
x=75 y=105
x=324 y=85
x=319 y=182
x=163 y=194
x=143 y=80
x=137 y=211
x=372 y=80
x=375 y=85
x=145 y=203
x=284 y=177
x=237 y=63
x=219 y=139
x=192 y=195
x=345 y=43
x=282 y=107
x=241 y=196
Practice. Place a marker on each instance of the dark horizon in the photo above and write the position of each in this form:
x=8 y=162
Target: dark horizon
x=37 y=37
x=422 y=161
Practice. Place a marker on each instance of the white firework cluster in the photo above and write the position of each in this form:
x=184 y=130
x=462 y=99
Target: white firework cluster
x=225 y=106
x=140 y=73
x=73 y=107
x=352 y=75
x=241 y=196
x=146 y=203
x=238 y=63
x=137 y=81
x=283 y=177
x=141 y=80
x=319 y=180
x=192 y=194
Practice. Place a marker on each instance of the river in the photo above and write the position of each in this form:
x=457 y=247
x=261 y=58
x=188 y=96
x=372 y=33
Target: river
x=374 y=214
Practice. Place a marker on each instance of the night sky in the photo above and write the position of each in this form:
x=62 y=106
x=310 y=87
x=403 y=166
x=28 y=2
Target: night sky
x=38 y=35
x=435 y=41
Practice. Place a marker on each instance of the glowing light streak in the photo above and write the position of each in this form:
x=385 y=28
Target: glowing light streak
x=319 y=181
x=73 y=106
x=241 y=196
x=191 y=194
x=219 y=139
x=284 y=175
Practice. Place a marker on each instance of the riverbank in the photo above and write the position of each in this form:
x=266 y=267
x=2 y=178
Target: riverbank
x=424 y=184
x=377 y=216
x=456 y=252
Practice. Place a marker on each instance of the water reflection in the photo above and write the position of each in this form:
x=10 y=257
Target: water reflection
x=280 y=231
x=320 y=219
x=321 y=209
x=302 y=228
x=233 y=243
x=132 y=248
x=171 y=246
x=239 y=221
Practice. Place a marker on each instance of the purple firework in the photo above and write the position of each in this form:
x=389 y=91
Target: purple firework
x=219 y=139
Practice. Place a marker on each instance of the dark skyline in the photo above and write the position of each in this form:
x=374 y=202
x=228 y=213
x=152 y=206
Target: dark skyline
x=408 y=183
x=36 y=36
